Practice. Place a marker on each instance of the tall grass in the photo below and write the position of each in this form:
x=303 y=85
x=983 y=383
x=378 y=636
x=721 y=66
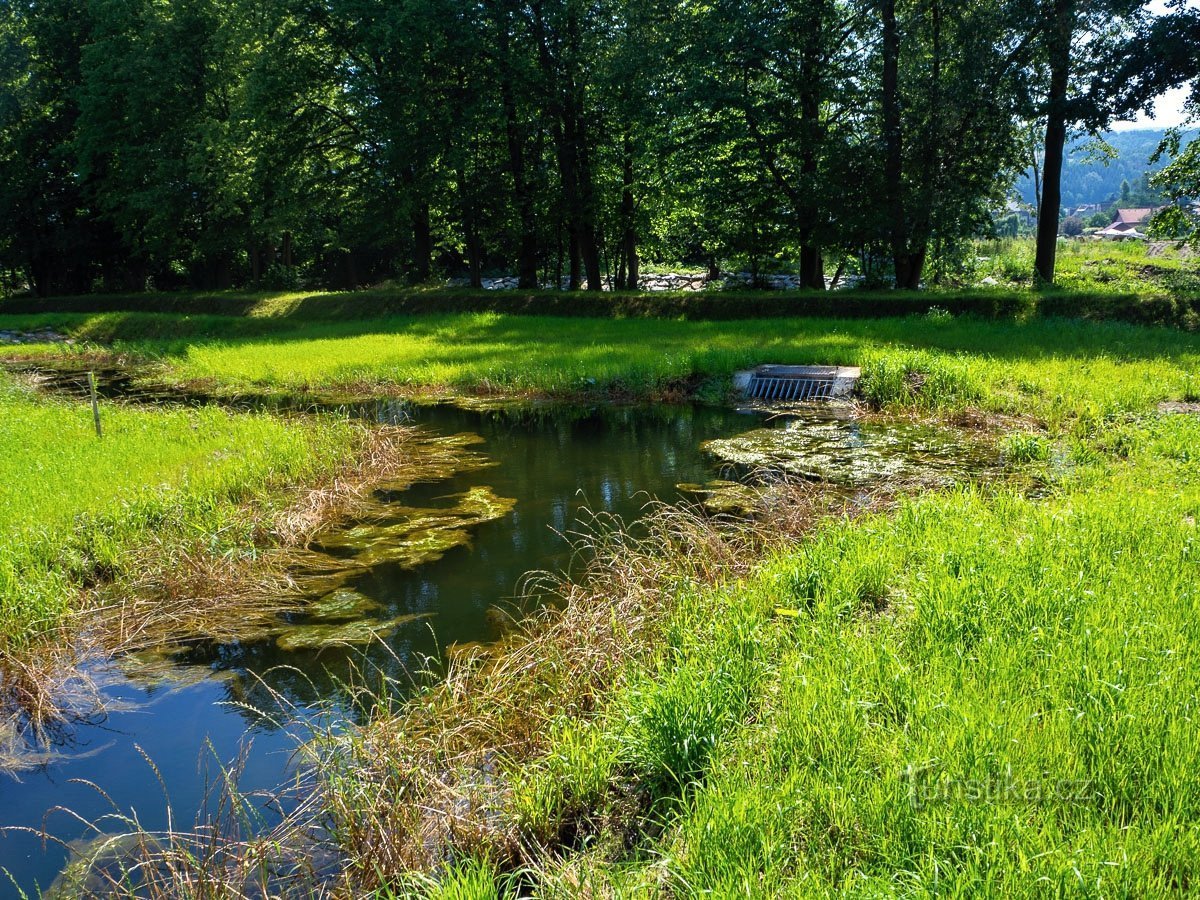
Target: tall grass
x=972 y=696
x=971 y=693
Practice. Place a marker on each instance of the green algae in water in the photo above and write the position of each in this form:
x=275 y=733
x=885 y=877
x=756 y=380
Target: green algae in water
x=410 y=549
x=854 y=452
x=342 y=605
x=319 y=637
x=725 y=497
x=412 y=537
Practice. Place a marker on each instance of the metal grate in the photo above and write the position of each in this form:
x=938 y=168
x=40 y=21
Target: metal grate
x=767 y=387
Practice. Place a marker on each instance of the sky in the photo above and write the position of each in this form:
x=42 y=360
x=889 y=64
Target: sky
x=1168 y=109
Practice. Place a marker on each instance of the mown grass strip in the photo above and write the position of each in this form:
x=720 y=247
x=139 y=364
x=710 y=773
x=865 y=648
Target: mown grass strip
x=1048 y=369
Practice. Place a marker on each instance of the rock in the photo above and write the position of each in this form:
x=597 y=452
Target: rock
x=41 y=336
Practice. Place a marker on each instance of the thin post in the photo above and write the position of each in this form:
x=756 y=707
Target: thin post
x=95 y=404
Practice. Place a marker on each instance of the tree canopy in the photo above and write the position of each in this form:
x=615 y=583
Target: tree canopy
x=216 y=143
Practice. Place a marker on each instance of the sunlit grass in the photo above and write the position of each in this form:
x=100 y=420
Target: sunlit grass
x=73 y=505
x=1050 y=369
x=972 y=696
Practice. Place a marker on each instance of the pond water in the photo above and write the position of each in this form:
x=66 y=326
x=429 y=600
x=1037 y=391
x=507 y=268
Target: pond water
x=475 y=534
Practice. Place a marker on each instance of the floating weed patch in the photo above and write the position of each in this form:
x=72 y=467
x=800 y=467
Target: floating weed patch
x=857 y=452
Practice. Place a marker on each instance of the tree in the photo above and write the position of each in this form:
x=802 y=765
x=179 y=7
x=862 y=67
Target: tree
x=1085 y=52
x=952 y=84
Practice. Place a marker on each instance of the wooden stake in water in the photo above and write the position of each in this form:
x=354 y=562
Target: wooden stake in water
x=95 y=404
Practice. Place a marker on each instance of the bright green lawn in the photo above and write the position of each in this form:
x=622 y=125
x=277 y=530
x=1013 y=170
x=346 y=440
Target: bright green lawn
x=72 y=505
x=1046 y=368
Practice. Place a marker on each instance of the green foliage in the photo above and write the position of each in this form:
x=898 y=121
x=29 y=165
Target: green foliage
x=275 y=144
x=1026 y=447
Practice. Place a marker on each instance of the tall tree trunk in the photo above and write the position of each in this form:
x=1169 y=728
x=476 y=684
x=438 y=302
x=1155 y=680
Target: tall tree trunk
x=893 y=163
x=470 y=231
x=812 y=267
x=1060 y=36
x=527 y=255
x=628 y=278
x=575 y=278
x=422 y=243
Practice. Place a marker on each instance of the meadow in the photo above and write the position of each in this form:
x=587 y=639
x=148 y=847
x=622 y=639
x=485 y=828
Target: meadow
x=74 y=507
x=1049 y=369
x=971 y=692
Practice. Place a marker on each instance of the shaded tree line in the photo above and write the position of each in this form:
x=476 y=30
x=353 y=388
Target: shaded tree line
x=220 y=143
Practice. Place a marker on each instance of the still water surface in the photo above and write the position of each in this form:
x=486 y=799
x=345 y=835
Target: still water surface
x=554 y=462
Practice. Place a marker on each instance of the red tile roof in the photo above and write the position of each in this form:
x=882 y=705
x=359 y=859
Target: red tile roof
x=1134 y=216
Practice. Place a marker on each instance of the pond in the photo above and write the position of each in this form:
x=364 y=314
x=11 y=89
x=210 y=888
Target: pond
x=434 y=566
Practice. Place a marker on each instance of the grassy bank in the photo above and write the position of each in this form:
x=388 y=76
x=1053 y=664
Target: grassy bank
x=971 y=696
x=1123 y=289
x=73 y=507
x=1048 y=369
x=966 y=694
x=969 y=693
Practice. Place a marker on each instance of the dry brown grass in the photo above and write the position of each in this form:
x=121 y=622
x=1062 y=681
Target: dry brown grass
x=423 y=782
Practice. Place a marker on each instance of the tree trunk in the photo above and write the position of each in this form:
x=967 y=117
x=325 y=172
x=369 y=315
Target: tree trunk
x=422 y=243
x=1056 y=138
x=589 y=246
x=575 y=278
x=527 y=256
x=628 y=279
x=470 y=230
x=812 y=267
x=908 y=272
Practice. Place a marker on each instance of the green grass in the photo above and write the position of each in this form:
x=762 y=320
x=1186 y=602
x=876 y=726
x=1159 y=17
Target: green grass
x=974 y=696
x=73 y=506
x=1050 y=369
x=977 y=694
x=1085 y=265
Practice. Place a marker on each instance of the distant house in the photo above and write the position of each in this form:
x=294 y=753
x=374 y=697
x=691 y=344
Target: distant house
x=1130 y=224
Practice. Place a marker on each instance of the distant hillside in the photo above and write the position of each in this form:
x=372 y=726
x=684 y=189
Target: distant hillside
x=1091 y=181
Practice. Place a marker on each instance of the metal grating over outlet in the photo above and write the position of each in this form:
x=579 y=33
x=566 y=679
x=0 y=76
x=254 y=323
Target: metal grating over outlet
x=798 y=383
x=767 y=388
